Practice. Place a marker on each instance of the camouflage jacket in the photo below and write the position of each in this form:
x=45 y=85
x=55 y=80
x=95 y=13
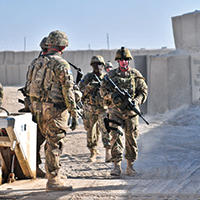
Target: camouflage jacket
x=131 y=80
x=29 y=77
x=52 y=81
x=89 y=87
x=1 y=94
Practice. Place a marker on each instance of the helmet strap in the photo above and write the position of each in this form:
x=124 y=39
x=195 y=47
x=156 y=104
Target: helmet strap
x=57 y=48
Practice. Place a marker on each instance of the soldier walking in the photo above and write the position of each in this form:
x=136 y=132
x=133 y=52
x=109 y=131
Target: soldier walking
x=94 y=110
x=123 y=121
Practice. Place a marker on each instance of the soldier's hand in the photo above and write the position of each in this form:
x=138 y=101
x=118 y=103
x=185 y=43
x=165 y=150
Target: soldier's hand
x=135 y=102
x=95 y=84
x=74 y=123
x=116 y=98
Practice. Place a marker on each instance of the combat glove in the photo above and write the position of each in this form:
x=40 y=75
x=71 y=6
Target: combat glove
x=116 y=98
x=95 y=84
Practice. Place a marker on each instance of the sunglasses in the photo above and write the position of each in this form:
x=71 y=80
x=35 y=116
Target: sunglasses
x=97 y=64
x=124 y=59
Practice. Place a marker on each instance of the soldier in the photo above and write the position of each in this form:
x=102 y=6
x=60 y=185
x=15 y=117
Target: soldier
x=94 y=110
x=1 y=94
x=131 y=80
x=52 y=97
x=40 y=137
x=108 y=66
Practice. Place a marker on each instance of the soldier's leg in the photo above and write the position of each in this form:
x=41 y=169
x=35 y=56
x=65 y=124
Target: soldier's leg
x=89 y=122
x=40 y=141
x=116 y=144
x=55 y=124
x=131 y=149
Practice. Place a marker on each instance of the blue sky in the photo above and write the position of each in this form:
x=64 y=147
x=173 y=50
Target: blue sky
x=133 y=23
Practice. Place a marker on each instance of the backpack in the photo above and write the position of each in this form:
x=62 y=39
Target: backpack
x=42 y=76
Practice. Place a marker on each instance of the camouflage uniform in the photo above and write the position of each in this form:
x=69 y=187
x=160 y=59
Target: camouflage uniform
x=1 y=94
x=52 y=97
x=94 y=112
x=27 y=102
x=132 y=81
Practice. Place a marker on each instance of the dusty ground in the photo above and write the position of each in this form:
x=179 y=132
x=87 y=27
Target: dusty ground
x=168 y=163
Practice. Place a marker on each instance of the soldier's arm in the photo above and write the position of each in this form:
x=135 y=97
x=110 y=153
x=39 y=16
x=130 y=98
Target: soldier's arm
x=29 y=76
x=85 y=86
x=66 y=79
x=106 y=92
x=141 y=91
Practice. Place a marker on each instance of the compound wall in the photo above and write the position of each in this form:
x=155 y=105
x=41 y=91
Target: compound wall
x=13 y=65
x=169 y=83
x=186 y=30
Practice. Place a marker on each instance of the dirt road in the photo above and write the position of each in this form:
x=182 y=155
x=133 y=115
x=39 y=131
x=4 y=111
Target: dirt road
x=168 y=163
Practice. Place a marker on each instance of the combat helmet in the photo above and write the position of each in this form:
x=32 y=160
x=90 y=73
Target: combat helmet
x=97 y=59
x=108 y=65
x=43 y=43
x=57 y=38
x=123 y=53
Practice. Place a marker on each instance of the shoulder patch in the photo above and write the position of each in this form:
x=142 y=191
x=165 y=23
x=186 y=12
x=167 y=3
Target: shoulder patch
x=68 y=71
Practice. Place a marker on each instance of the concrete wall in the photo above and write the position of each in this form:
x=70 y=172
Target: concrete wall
x=169 y=83
x=13 y=65
x=195 y=82
x=186 y=30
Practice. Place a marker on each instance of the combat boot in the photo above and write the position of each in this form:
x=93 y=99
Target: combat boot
x=40 y=173
x=93 y=154
x=129 y=170
x=54 y=183
x=117 y=170
x=108 y=156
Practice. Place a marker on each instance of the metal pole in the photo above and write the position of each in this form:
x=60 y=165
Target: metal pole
x=108 y=40
x=24 y=43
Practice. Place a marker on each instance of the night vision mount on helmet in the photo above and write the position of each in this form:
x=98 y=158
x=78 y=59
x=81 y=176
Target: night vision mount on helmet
x=123 y=54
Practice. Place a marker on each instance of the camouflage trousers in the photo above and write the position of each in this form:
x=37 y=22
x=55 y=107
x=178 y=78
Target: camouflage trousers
x=93 y=121
x=129 y=128
x=52 y=122
x=40 y=141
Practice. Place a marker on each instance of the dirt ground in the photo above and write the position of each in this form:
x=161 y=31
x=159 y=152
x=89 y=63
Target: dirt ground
x=168 y=163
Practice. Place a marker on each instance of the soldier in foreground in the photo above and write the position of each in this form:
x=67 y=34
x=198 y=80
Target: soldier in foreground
x=121 y=117
x=52 y=97
x=94 y=110
x=27 y=102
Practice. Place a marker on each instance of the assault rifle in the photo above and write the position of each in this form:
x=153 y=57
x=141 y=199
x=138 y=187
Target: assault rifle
x=126 y=98
x=79 y=104
x=79 y=73
x=97 y=87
